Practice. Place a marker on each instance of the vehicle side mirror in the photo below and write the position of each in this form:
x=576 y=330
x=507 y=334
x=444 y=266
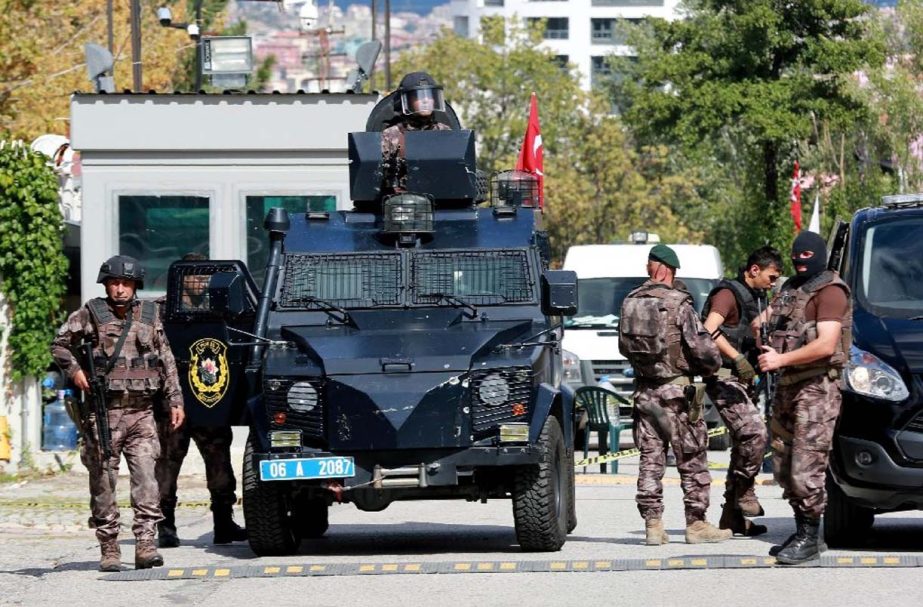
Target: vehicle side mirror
x=227 y=294
x=559 y=293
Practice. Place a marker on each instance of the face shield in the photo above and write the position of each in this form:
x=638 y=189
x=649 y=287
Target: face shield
x=422 y=101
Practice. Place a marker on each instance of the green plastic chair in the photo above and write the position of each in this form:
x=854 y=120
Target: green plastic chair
x=596 y=402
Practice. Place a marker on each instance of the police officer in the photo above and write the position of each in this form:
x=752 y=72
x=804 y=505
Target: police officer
x=810 y=323
x=666 y=344
x=730 y=308
x=420 y=99
x=131 y=352
x=213 y=442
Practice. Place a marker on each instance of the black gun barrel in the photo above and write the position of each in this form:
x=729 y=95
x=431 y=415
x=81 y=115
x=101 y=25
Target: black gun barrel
x=98 y=397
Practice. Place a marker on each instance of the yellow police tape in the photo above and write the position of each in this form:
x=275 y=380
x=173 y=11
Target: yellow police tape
x=611 y=457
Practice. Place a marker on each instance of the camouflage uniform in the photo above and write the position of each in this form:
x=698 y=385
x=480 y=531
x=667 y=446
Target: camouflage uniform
x=144 y=369
x=666 y=344
x=393 y=151
x=732 y=398
x=807 y=401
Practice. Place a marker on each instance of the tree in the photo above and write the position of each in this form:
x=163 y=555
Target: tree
x=42 y=60
x=748 y=79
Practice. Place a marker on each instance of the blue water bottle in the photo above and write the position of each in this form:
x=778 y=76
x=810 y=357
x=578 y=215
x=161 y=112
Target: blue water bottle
x=58 y=430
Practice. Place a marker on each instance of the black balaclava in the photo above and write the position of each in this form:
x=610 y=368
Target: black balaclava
x=809 y=241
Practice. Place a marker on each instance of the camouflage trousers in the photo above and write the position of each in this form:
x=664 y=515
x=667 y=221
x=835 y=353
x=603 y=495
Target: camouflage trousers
x=747 y=429
x=134 y=434
x=661 y=419
x=214 y=443
x=803 y=419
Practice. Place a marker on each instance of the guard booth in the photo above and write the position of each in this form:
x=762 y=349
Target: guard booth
x=166 y=175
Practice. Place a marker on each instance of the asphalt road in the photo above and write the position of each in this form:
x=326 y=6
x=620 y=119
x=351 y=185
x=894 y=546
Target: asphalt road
x=50 y=558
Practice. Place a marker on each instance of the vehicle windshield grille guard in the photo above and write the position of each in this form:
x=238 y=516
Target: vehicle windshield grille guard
x=188 y=295
x=358 y=280
x=478 y=277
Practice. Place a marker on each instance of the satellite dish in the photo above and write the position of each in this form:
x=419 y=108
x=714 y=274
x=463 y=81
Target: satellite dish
x=366 y=55
x=99 y=63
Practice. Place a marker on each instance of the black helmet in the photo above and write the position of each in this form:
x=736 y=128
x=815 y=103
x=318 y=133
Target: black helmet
x=420 y=95
x=122 y=266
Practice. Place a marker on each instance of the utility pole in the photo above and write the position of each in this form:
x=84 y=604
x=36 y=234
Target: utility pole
x=198 y=47
x=109 y=24
x=387 y=45
x=136 y=45
x=374 y=34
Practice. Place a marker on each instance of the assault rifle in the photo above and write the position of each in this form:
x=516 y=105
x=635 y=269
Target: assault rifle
x=97 y=403
x=767 y=383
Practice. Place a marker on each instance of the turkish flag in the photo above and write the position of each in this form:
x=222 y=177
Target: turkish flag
x=794 y=198
x=530 y=155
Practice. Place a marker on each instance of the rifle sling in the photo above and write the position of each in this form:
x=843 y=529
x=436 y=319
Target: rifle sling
x=121 y=342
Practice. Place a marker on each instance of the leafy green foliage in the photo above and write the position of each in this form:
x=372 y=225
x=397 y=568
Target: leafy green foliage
x=32 y=264
x=747 y=82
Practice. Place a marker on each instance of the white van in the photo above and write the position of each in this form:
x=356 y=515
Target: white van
x=606 y=273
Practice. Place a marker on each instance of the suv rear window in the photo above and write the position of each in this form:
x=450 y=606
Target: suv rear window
x=890 y=268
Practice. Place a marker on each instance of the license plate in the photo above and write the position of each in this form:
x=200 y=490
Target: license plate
x=314 y=467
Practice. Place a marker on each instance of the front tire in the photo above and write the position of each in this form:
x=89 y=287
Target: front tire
x=267 y=512
x=846 y=525
x=541 y=496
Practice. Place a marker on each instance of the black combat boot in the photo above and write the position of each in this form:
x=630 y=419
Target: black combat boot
x=166 y=529
x=226 y=530
x=733 y=518
x=805 y=546
x=775 y=550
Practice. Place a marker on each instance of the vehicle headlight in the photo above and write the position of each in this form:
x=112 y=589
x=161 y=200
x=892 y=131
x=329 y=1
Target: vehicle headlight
x=302 y=397
x=869 y=375
x=571 y=366
x=493 y=390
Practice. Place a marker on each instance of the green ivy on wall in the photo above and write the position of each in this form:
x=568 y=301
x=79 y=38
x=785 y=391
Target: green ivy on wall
x=32 y=265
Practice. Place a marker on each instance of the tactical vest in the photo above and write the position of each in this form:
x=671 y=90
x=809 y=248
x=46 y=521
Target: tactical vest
x=650 y=336
x=790 y=330
x=137 y=370
x=741 y=336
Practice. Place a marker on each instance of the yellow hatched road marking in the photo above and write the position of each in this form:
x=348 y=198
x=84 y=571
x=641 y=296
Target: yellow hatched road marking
x=318 y=567
x=653 y=563
x=272 y=570
x=869 y=560
x=507 y=566
x=581 y=565
x=176 y=572
x=200 y=572
x=603 y=564
x=558 y=565
x=485 y=566
x=222 y=572
x=676 y=562
x=294 y=569
x=462 y=566
x=412 y=567
x=365 y=568
x=892 y=560
x=389 y=567
x=698 y=562
x=844 y=560
x=748 y=561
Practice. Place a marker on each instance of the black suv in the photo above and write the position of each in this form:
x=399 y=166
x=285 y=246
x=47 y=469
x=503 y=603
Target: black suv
x=877 y=460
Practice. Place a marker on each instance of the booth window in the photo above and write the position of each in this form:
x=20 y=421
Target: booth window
x=258 y=238
x=158 y=230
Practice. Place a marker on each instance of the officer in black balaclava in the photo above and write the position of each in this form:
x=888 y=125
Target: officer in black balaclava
x=809 y=256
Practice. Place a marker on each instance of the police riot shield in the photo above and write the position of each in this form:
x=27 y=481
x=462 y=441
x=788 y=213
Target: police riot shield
x=207 y=303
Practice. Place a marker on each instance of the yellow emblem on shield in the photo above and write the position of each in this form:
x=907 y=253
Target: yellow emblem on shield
x=208 y=371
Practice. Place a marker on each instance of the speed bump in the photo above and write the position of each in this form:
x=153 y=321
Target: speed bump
x=589 y=565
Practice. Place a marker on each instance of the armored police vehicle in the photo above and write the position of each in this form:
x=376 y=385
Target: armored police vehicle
x=408 y=349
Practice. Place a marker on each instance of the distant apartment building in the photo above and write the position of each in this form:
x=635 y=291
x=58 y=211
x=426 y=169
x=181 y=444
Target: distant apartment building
x=581 y=32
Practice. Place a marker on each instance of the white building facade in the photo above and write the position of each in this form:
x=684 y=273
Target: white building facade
x=581 y=32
